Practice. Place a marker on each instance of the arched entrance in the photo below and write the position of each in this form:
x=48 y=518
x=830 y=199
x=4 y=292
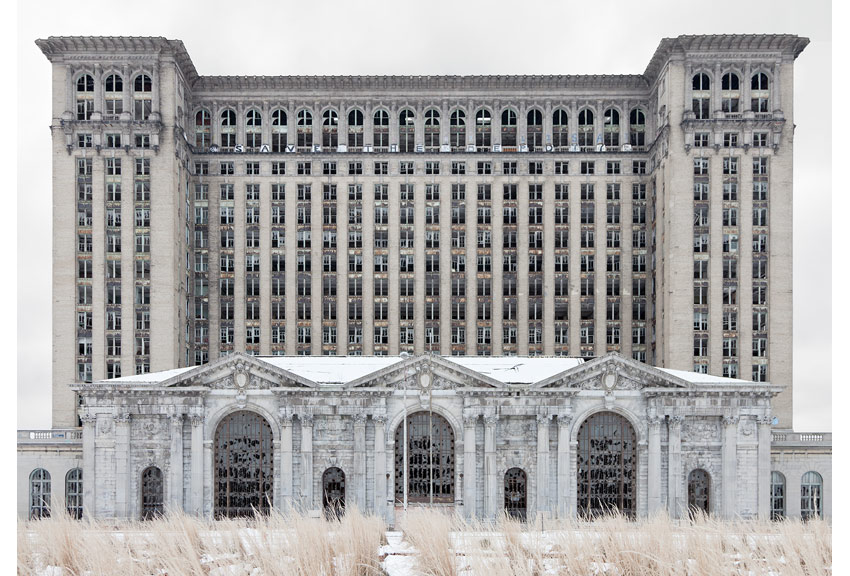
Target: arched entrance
x=516 y=493
x=699 y=492
x=430 y=459
x=152 y=501
x=244 y=466
x=333 y=492
x=606 y=466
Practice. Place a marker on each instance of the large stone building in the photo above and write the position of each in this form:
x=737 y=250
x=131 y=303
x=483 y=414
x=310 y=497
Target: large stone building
x=641 y=220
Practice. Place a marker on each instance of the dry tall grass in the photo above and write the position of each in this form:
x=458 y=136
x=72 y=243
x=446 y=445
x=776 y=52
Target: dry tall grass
x=176 y=545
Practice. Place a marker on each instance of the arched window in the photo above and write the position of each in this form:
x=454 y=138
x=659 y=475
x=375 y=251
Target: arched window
x=74 y=493
x=509 y=129
x=406 y=130
x=333 y=492
x=152 y=501
x=457 y=126
x=730 y=92
x=330 y=128
x=253 y=129
x=85 y=97
x=760 y=93
x=142 y=97
x=113 y=96
x=355 y=130
x=279 y=130
x=381 y=130
x=811 y=495
x=701 y=96
x=304 y=122
x=637 y=127
x=699 y=492
x=777 y=496
x=516 y=493
x=432 y=130
x=243 y=466
x=611 y=127
x=560 y=129
x=430 y=459
x=228 y=129
x=585 y=128
x=203 y=121
x=483 y=125
x=39 y=493
x=607 y=465
x=534 y=130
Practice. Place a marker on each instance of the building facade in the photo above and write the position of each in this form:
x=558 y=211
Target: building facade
x=644 y=215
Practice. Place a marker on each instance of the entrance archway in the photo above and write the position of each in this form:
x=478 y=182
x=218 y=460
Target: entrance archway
x=607 y=466
x=699 y=492
x=333 y=492
x=430 y=459
x=244 y=466
x=516 y=493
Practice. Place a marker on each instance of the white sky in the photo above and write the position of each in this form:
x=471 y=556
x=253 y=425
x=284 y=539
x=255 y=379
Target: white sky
x=440 y=37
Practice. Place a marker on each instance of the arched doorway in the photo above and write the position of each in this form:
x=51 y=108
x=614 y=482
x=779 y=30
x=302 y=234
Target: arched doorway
x=606 y=466
x=699 y=492
x=152 y=501
x=430 y=459
x=333 y=492
x=516 y=493
x=244 y=466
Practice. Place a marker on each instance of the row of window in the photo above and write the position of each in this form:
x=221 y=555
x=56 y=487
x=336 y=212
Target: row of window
x=730 y=94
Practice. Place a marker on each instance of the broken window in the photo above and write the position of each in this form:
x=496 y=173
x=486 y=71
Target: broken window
x=113 y=96
x=457 y=132
x=432 y=130
x=606 y=466
x=85 y=97
x=142 y=97
x=39 y=494
x=637 y=127
x=152 y=500
x=253 y=129
x=483 y=123
x=509 y=128
x=330 y=128
x=243 y=466
x=611 y=127
x=279 y=130
x=585 y=128
x=759 y=94
x=534 y=130
x=355 y=130
x=228 y=129
x=699 y=488
x=560 y=129
x=304 y=126
x=701 y=97
x=730 y=94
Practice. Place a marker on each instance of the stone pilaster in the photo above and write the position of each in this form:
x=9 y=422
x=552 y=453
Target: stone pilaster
x=380 y=456
x=89 y=478
x=764 y=438
x=197 y=483
x=469 y=479
x=674 y=465
x=564 y=472
x=307 y=461
x=286 y=461
x=543 y=462
x=490 y=478
x=729 y=465
x=175 y=465
x=122 y=464
x=654 y=472
x=360 y=461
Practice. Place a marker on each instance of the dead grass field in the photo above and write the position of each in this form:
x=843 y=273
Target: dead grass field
x=429 y=543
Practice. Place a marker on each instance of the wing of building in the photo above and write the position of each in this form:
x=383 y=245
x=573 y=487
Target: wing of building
x=513 y=234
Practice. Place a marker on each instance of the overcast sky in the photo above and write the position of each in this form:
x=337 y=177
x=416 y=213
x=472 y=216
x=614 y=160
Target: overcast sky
x=437 y=37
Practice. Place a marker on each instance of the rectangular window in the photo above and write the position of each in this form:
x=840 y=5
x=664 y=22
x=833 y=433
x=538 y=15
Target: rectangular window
x=252 y=168
x=225 y=168
x=535 y=167
x=612 y=167
x=588 y=167
x=701 y=140
x=485 y=168
x=639 y=167
x=381 y=168
x=562 y=167
x=278 y=168
x=701 y=166
x=459 y=168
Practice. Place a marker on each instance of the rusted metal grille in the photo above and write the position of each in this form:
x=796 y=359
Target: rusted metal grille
x=699 y=489
x=516 y=493
x=333 y=492
x=152 y=493
x=607 y=466
x=244 y=466
x=431 y=459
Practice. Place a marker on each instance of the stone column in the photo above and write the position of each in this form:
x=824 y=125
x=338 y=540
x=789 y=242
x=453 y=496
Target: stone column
x=98 y=88
x=360 y=461
x=71 y=90
x=380 y=456
x=307 y=461
x=469 y=479
x=543 y=463
x=490 y=479
x=175 y=464
x=122 y=464
x=197 y=483
x=564 y=473
x=654 y=472
x=157 y=89
x=764 y=424
x=89 y=478
x=674 y=464
x=776 y=87
x=729 y=466
x=286 y=461
x=715 y=91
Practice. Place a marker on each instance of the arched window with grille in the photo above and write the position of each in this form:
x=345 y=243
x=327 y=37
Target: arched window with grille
x=777 y=496
x=381 y=130
x=637 y=128
x=253 y=129
x=611 y=127
x=701 y=96
x=811 y=496
x=406 y=130
x=243 y=475
x=457 y=130
x=586 y=134
x=699 y=492
x=516 y=493
x=333 y=492
x=279 y=130
x=607 y=466
x=39 y=494
x=74 y=493
x=113 y=96
x=85 y=97
x=203 y=122
x=142 y=97
x=330 y=128
x=483 y=126
x=152 y=498
x=430 y=459
x=228 y=129
x=760 y=93
x=304 y=126
x=560 y=129
x=730 y=93
x=509 y=128
x=432 y=130
x=355 y=130
x=534 y=130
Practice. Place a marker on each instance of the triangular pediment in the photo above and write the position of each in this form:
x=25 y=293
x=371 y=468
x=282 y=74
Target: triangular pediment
x=612 y=372
x=239 y=371
x=426 y=371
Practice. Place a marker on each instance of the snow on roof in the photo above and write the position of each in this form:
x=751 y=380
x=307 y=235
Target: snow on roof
x=152 y=377
x=516 y=369
x=336 y=369
x=698 y=378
